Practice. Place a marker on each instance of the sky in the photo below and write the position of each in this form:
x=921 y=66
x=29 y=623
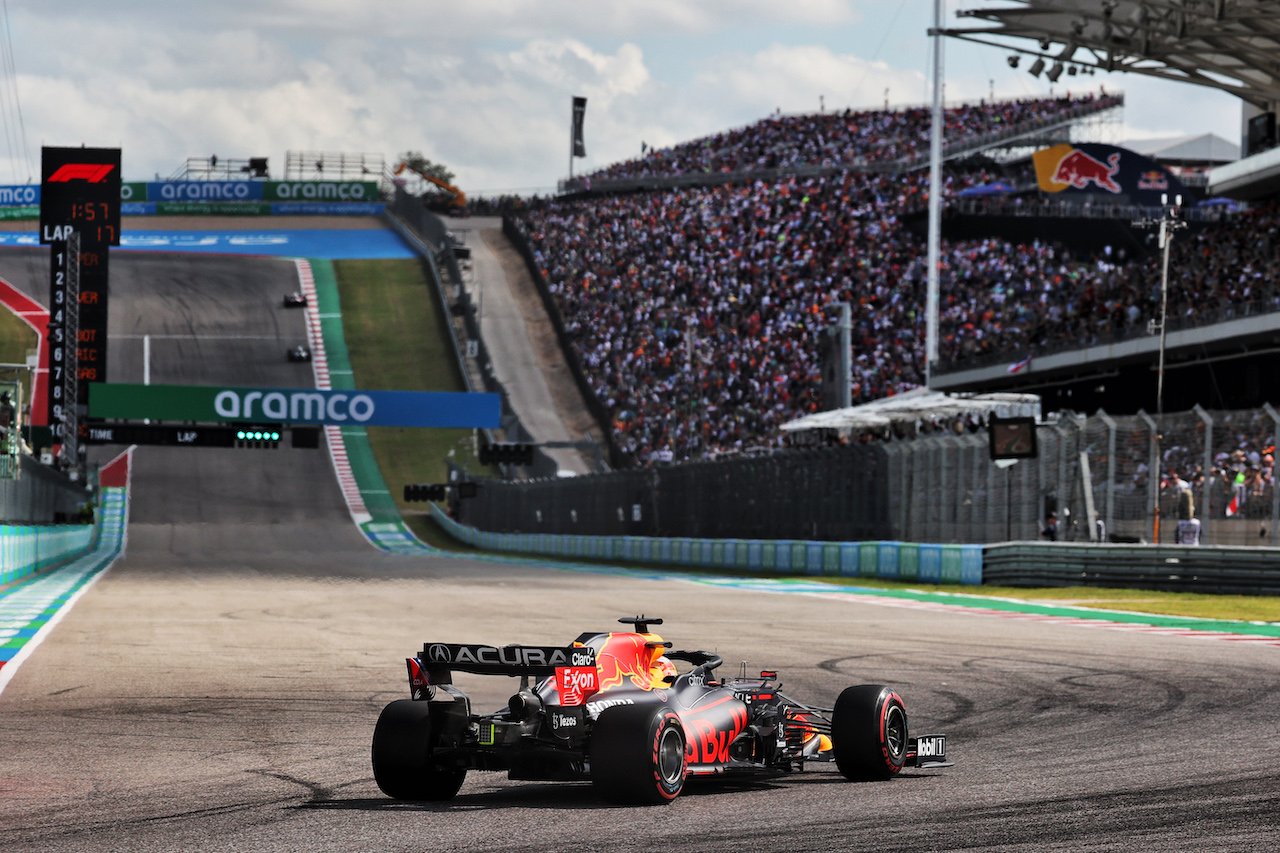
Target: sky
x=484 y=87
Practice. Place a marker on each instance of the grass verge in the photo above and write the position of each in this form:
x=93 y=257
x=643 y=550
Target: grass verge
x=398 y=341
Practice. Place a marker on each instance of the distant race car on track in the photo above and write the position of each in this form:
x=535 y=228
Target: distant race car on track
x=295 y=300
x=299 y=353
x=614 y=709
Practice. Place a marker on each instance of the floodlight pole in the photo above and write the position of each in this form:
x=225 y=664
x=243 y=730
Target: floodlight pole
x=1168 y=223
x=935 y=200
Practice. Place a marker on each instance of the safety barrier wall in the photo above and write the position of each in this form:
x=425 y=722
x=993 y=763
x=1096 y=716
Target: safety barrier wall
x=1233 y=570
x=907 y=561
x=29 y=549
x=39 y=495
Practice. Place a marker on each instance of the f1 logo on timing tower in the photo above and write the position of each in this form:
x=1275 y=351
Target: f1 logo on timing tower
x=80 y=188
x=93 y=173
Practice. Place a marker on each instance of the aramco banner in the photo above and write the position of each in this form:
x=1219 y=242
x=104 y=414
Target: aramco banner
x=1119 y=175
x=242 y=191
x=219 y=404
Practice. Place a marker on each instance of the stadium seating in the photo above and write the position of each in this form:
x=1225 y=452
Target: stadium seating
x=696 y=312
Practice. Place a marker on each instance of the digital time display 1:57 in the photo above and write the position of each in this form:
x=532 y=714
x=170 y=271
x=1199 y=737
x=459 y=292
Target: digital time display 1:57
x=93 y=219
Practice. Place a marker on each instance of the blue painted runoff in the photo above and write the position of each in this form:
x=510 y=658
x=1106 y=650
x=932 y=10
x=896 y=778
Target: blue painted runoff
x=302 y=243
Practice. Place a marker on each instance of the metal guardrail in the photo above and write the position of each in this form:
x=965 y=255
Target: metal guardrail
x=1037 y=209
x=1240 y=571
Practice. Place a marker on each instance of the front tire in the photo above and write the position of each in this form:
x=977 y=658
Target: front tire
x=402 y=759
x=638 y=755
x=869 y=733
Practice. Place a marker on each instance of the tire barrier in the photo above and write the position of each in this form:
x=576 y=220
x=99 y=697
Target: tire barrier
x=905 y=561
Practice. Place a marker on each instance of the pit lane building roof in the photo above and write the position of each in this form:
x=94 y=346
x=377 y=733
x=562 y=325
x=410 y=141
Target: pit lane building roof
x=1201 y=148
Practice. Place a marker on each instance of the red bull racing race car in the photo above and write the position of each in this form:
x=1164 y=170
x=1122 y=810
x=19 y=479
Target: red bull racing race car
x=614 y=709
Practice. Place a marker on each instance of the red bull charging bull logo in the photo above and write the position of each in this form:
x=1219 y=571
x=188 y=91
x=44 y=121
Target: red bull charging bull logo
x=1064 y=166
x=1108 y=173
x=1077 y=169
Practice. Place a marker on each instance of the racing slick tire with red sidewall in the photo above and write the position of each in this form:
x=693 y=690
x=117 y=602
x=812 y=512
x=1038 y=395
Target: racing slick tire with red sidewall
x=869 y=733
x=637 y=754
x=402 y=762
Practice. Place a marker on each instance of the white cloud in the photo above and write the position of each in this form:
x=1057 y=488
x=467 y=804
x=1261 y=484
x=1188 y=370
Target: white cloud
x=792 y=77
x=482 y=87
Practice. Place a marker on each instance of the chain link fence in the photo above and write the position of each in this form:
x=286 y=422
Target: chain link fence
x=1101 y=477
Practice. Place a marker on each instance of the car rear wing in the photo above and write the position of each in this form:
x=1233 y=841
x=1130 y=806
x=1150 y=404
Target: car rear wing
x=438 y=660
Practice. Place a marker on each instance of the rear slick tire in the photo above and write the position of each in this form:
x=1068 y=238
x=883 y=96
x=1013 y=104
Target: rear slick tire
x=402 y=761
x=638 y=755
x=869 y=733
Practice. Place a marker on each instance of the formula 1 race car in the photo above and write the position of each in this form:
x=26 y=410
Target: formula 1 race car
x=298 y=353
x=613 y=709
x=295 y=300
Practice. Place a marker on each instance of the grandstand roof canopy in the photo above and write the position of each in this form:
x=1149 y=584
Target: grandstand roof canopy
x=1199 y=148
x=918 y=404
x=1233 y=45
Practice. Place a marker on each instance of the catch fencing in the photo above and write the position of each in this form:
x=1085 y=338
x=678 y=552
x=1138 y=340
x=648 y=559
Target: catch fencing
x=1101 y=475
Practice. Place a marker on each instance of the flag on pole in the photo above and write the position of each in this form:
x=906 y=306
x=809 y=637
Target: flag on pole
x=1234 y=506
x=1020 y=366
x=579 y=114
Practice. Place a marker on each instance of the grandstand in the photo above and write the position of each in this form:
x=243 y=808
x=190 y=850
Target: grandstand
x=741 y=324
x=696 y=282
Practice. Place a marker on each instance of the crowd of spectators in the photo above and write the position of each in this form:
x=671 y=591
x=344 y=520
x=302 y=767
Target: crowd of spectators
x=1240 y=478
x=843 y=138
x=696 y=313
x=1002 y=300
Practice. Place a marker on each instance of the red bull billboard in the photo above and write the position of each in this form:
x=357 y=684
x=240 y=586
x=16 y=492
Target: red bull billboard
x=1107 y=173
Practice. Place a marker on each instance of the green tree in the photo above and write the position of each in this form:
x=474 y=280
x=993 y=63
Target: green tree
x=416 y=161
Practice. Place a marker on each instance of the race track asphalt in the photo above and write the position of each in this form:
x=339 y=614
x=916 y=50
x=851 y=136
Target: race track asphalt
x=217 y=689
